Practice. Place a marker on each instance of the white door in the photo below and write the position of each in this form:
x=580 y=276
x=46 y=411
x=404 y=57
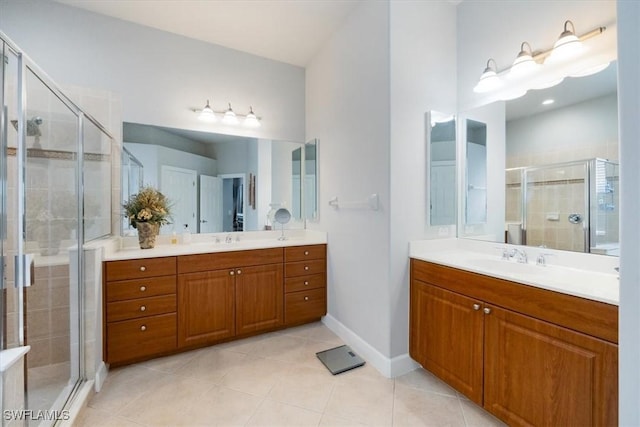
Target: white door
x=210 y=204
x=443 y=193
x=179 y=185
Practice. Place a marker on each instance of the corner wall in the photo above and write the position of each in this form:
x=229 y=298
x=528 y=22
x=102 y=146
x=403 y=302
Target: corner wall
x=347 y=107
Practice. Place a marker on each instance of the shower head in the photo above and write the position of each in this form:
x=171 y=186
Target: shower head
x=33 y=126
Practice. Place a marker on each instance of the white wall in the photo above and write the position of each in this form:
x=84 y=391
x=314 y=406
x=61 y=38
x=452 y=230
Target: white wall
x=573 y=129
x=161 y=76
x=347 y=108
x=629 y=107
x=423 y=78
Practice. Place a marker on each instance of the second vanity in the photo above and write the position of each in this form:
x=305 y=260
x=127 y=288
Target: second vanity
x=174 y=298
x=532 y=344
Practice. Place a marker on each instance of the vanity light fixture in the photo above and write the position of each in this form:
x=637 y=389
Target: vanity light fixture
x=568 y=44
x=229 y=117
x=207 y=114
x=489 y=79
x=544 y=68
x=251 y=120
x=524 y=63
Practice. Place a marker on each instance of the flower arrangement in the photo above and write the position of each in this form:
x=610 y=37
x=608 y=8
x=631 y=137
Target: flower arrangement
x=149 y=205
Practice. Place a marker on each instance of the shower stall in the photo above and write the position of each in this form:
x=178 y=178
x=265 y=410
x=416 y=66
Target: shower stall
x=55 y=188
x=570 y=206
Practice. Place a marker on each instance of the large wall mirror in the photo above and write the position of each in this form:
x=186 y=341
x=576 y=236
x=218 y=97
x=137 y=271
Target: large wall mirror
x=223 y=183
x=560 y=179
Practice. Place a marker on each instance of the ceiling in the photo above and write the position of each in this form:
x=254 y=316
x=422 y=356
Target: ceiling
x=571 y=91
x=290 y=31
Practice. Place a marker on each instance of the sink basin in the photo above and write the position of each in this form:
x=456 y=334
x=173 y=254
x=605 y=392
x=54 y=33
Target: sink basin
x=498 y=266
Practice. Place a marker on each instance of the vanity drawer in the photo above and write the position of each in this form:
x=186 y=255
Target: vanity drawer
x=233 y=259
x=303 y=283
x=140 y=288
x=135 y=308
x=140 y=268
x=139 y=338
x=304 y=268
x=301 y=253
x=304 y=305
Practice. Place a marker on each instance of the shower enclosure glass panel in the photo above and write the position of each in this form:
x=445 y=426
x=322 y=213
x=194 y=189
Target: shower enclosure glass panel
x=605 y=207
x=55 y=182
x=557 y=207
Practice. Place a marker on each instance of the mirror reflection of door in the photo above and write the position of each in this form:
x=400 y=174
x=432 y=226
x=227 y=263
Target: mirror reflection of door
x=311 y=179
x=442 y=169
x=210 y=204
x=232 y=202
x=296 y=182
x=179 y=185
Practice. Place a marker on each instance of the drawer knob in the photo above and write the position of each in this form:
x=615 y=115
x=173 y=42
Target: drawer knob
x=143 y=328
x=143 y=268
x=306 y=252
x=143 y=308
x=306 y=268
x=487 y=310
x=476 y=307
x=143 y=288
x=306 y=298
x=239 y=271
x=306 y=283
x=231 y=273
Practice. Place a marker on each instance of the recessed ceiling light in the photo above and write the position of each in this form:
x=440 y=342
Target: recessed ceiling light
x=548 y=102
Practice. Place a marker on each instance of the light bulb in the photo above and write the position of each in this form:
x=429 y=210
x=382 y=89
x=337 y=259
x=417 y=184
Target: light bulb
x=567 y=46
x=230 y=117
x=524 y=63
x=251 y=120
x=489 y=79
x=206 y=114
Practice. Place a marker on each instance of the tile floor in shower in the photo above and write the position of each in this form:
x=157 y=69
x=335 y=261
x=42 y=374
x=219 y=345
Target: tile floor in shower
x=273 y=380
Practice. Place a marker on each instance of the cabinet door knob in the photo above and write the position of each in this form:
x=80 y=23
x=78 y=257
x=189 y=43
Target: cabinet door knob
x=143 y=268
x=306 y=298
x=143 y=308
x=239 y=271
x=306 y=268
x=231 y=273
x=306 y=283
x=476 y=307
x=143 y=288
x=143 y=328
x=306 y=252
x=487 y=310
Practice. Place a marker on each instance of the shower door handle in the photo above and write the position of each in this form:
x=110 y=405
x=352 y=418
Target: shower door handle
x=26 y=262
x=575 y=218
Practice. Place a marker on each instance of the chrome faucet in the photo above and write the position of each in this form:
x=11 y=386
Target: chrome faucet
x=521 y=255
x=228 y=239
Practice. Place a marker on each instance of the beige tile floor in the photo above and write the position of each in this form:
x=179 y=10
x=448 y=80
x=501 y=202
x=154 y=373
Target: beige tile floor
x=273 y=380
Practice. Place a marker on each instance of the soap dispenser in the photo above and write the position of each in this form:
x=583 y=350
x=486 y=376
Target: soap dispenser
x=186 y=234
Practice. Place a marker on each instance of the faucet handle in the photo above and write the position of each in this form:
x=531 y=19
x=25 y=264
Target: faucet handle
x=541 y=260
x=505 y=252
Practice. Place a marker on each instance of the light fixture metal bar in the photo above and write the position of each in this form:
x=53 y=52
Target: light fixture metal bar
x=199 y=110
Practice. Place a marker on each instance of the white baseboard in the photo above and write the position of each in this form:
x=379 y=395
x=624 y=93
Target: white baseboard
x=101 y=376
x=390 y=368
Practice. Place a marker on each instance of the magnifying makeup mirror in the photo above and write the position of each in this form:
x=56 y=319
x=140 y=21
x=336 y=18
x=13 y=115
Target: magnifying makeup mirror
x=282 y=216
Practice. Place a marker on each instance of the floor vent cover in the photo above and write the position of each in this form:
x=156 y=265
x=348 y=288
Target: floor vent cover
x=340 y=359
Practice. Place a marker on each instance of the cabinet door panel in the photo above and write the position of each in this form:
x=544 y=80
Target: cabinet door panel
x=259 y=298
x=446 y=337
x=205 y=307
x=537 y=373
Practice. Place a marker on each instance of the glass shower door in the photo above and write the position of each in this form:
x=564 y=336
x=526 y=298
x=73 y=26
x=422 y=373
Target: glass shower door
x=556 y=210
x=40 y=182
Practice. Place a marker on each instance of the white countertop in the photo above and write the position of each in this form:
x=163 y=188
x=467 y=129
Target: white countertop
x=206 y=243
x=583 y=275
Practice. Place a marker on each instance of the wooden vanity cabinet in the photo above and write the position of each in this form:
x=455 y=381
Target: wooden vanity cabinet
x=490 y=339
x=305 y=272
x=222 y=295
x=140 y=312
